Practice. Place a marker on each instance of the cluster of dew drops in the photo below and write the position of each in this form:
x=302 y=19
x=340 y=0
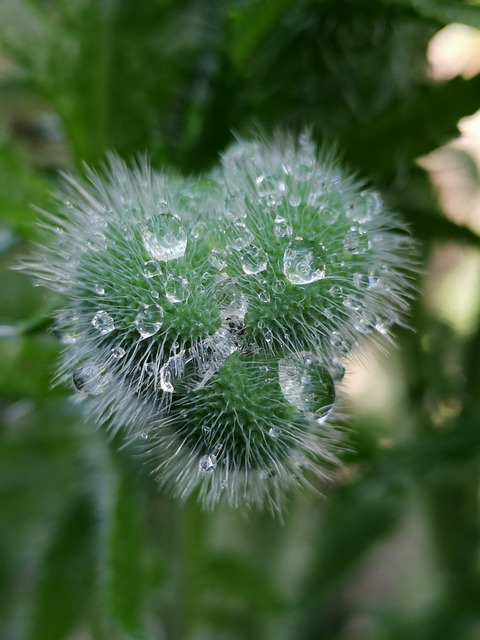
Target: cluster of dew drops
x=306 y=381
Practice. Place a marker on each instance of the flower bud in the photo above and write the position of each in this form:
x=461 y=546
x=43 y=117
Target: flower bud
x=209 y=318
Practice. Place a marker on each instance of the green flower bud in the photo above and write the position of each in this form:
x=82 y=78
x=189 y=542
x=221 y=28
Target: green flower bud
x=208 y=319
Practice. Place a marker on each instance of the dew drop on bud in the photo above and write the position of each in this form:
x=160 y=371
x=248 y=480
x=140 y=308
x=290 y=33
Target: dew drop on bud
x=151 y=268
x=207 y=464
x=149 y=320
x=118 y=353
x=254 y=260
x=282 y=227
x=164 y=237
x=304 y=261
x=176 y=289
x=91 y=379
x=103 y=322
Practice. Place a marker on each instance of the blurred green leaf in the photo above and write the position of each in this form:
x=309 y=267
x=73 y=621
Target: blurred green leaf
x=28 y=365
x=20 y=188
x=250 y=24
x=237 y=578
x=128 y=579
x=67 y=577
x=444 y=11
x=411 y=128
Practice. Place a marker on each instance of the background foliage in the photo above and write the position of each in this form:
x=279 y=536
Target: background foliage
x=88 y=546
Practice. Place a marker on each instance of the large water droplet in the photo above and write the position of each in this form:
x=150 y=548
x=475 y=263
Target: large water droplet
x=149 y=320
x=307 y=384
x=254 y=260
x=67 y=324
x=151 y=268
x=216 y=259
x=239 y=235
x=304 y=261
x=212 y=353
x=230 y=299
x=282 y=227
x=177 y=289
x=164 y=237
x=207 y=464
x=103 y=322
x=91 y=379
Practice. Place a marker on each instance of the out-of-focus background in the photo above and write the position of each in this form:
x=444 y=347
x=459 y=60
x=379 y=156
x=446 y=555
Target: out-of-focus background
x=89 y=548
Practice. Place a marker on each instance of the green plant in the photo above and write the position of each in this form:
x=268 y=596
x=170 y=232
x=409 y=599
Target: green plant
x=210 y=317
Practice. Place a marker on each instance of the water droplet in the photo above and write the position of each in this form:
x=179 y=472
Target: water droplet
x=212 y=353
x=294 y=198
x=303 y=170
x=329 y=215
x=336 y=291
x=337 y=370
x=103 y=322
x=149 y=320
x=264 y=296
x=166 y=378
x=164 y=237
x=239 y=235
x=304 y=261
x=274 y=432
x=66 y=324
x=384 y=325
x=234 y=207
x=216 y=259
x=144 y=435
x=118 y=353
x=307 y=385
x=352 y=302
x=355 y=242
x=207 y=464
x=224 y=484
x=338 y=342
x=91 y=379
x=151 y=268
x=266 y=186
x=176 y=289
x=254 y=260
x=282 y=227
x=278 y=286
x=364 y=321
x=361 y=280
x=99 y=290
x=230 y=299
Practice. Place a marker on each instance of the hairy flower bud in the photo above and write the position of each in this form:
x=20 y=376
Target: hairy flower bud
x=209 y=318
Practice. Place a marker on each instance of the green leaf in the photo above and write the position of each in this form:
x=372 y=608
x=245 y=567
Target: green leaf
x=20 y=188
x=66 y=579
x=356 y=517
x=411 y=128
x=250 y=25
x=235 y=577
x=128 y=581
x=28 y=366
x=444 y=12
